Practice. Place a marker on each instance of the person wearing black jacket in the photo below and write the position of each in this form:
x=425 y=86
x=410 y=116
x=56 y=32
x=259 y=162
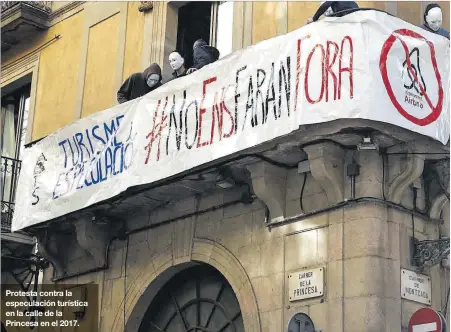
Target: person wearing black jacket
x=334 y=7
x=203 y=55
x=139 y=84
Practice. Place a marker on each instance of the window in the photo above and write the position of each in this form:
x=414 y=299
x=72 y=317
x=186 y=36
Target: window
x=13 y=127
x=194 y=22
x=224 y=30
x=13 y=123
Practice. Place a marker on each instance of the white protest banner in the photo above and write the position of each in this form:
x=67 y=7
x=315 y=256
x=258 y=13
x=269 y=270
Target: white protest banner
x=366 y=65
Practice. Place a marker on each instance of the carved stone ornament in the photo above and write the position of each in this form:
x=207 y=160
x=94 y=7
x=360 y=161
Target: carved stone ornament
x=145 y=6
x=42 y=5
x=431 y=252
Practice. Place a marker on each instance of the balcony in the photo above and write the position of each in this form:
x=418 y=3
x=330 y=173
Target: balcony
x=10 y=169
x=22 y=20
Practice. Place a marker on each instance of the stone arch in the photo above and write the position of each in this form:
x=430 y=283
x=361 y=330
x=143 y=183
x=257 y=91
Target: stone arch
x=162 y=267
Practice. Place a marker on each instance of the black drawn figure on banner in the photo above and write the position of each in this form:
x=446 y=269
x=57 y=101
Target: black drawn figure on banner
x=38 y=169
x=409 y=80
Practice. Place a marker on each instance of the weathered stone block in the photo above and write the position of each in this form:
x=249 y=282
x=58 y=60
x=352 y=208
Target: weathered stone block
x=301 y=250
x=366 y=236
x=365 y=276
x=235 y=232
x=117 y=293
x=107 y=295
x=393 y=241
x=365 y=210
x=334 y=280
x=318 y=313
x=370 y=166
x=207 y=227
x=137 y=238
x=116 y=260
x=272 y=256
x=162 y=260
x=335 y=240
x=272 y=321
x=336 y=216
x=137 y=257
x=237 y=210
x=268 y=290
x=393 y=315
x=364 y=314
x=138 y=220
x=160 y=237
x=251 y=259
x=182 y=239
x=211 y=200
x=310 y=203
x=294 y=185
x=369 y=188
x=335 y=316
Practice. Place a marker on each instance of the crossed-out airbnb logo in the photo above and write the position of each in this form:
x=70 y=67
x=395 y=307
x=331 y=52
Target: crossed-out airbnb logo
x=416 y=79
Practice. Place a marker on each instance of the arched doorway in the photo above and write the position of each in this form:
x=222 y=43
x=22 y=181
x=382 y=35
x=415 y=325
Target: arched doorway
x=197 y=299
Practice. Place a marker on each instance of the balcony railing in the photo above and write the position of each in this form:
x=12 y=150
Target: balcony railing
x=9 y=170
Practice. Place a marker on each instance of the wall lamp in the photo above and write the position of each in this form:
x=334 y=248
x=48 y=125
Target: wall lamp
x=367 y=145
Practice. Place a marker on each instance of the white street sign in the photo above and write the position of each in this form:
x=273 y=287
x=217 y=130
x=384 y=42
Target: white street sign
x=416 y=287
x=306 y=284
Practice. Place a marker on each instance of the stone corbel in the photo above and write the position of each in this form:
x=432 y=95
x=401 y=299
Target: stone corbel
x=327 y=166
x=49 y=250
x=93 y=238
x=414 y=169
x=439 y=189
x=145 y=6
x=268 y=182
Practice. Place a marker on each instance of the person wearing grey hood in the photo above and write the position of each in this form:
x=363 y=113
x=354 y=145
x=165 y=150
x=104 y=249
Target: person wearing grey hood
x=203 y=55
x=139 y=84
x=433 y=18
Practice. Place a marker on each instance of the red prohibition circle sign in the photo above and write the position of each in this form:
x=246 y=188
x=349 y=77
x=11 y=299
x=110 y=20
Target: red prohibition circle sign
x=425 y=320
x=437 y=109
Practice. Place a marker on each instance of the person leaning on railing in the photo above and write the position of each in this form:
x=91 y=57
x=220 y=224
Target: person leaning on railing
x=139 y=84
x=203 y=54
x=177 y=63
x=333 y=7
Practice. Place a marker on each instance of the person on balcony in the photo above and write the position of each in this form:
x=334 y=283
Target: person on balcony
x=203 y=54
x=433 y=18
x=177 y=63
x=139 y=84
x=340 y=8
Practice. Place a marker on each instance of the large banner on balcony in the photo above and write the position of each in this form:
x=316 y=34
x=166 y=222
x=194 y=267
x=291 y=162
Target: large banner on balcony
x=367 y=65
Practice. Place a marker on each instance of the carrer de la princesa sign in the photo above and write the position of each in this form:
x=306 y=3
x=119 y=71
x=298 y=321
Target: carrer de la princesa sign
x=306 y=284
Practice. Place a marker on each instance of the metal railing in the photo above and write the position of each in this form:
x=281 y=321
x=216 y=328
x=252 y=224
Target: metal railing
x=42 y=5
x=9 y=171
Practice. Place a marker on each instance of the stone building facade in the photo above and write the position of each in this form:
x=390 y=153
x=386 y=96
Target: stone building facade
x=362 y=243
x=293 y=204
